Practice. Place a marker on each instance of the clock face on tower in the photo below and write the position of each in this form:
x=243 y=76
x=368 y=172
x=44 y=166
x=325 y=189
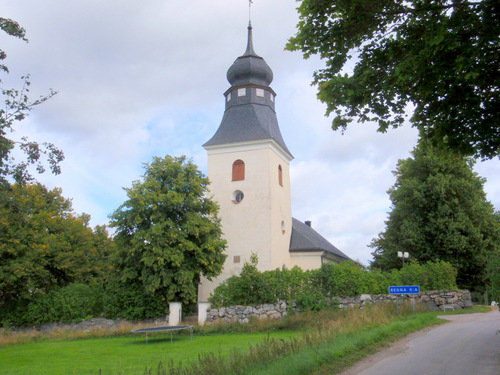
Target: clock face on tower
x=237 y=196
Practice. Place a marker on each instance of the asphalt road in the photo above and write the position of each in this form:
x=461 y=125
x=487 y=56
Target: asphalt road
x=468 y=345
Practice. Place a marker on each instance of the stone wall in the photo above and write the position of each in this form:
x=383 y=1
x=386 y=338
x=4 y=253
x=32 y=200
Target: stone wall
x=242 y=314
x=458 y=299
x=87 y=325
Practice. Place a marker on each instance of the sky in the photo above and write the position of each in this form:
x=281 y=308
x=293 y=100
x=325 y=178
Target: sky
x=138 y=79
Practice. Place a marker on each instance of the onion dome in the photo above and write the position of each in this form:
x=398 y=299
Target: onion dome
x=250 y=68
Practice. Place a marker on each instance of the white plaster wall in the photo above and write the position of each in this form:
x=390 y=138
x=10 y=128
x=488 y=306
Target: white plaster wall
x=254 y=224
x=281 y=212
x=306 y=260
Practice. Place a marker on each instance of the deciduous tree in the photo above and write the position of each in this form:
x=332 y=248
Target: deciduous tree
x=439 y=56
x=167 y=231
x=439 y=212
x=17 y=107
x=44 y=244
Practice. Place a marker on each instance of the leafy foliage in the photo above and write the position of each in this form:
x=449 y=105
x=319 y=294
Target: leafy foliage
x=17 y=107
x=252 y=287
x=167 y=232
x=439 y=212
x=313 y=289
x=344 y=279
x=430 y=276
x=247 y=288
x=127 y=301
x=439 y=56
x=493 y=268
x=71 y=303
x=286 y=284
x=44 y=245
x=12 y=28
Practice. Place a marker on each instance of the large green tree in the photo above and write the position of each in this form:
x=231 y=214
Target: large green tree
x=439 y=212
x=44 y=245
x=440 y=57
x=167 y=232
x=494 y=267
x=17 y=106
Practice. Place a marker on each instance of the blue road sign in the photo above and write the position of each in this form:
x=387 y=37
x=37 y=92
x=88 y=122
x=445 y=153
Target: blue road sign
x=404 y=289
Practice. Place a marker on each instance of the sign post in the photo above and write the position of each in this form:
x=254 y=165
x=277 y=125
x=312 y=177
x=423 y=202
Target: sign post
x=414 y=289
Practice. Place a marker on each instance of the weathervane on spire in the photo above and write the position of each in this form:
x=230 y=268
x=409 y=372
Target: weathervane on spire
x=250 y=2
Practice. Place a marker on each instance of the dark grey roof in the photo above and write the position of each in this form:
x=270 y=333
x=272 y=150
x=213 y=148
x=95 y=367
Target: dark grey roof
x=248 y=122
x=304 y=238
x=250 y=116
x=250 y=68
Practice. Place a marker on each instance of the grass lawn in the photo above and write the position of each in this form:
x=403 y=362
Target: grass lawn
x=328 y=341
x=124 y=355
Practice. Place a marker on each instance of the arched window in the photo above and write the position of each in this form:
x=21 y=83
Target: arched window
x=280 y=175
x=238 y=170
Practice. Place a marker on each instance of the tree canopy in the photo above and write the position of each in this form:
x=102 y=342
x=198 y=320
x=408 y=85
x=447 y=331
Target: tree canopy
x=439 y=56
x=167 y=232
x=44 y=244
x=439 y=212
x=17 y=107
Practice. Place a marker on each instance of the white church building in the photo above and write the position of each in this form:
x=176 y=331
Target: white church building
x=249 y=173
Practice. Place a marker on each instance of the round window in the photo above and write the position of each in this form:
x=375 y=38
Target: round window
x=237 y=196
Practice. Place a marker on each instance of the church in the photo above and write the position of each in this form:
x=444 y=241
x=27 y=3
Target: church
x=249 y=173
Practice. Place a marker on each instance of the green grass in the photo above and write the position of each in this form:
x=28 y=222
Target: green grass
x=120 y=355
x=309 y=343
x=345 y=349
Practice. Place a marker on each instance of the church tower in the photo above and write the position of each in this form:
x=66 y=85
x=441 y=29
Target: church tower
x=249 y=172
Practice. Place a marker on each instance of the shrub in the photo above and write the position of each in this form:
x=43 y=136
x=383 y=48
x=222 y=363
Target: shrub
x=311 y=299
x=248 y=288
x=347 y=279
x=285 y=284
x=429 y=276
x=311 y=289
x=494 y=275
x=377 y=282
x=70 y=303
x=127 y=301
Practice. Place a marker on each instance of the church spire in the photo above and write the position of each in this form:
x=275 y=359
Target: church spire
x=250 y=68
x=250 y=51
x=250 y=103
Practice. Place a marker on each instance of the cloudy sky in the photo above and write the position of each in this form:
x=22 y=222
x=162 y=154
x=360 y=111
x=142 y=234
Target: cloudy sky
x=138 y=79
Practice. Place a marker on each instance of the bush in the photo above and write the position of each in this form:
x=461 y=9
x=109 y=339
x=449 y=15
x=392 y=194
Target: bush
x=127 y=301
x=311 y=289
x=70 y=303
x=349 y=279
x=285 y=284
x=311 y=299
x=248 y=288
x=429 y=276
x=494 y=276
x=377 y=282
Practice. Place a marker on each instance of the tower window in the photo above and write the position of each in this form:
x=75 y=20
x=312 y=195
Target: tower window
x=242 y=92
x=259 y=92
x=228 y=97
x=237 y=196
x=238 y=170
x=280 y=175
